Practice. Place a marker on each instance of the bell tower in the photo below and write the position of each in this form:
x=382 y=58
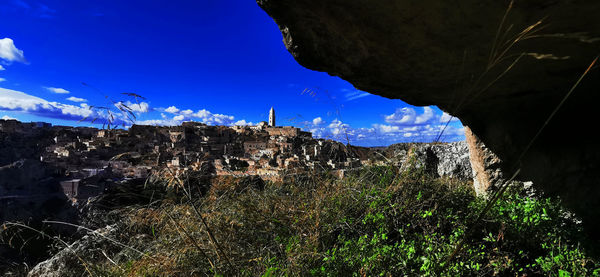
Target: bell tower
x=272 y=117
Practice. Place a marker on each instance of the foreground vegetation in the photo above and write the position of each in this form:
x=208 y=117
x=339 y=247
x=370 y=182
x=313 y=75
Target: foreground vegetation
x=376 y=222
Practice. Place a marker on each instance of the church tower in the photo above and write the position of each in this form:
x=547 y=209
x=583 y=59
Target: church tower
x=272 y=117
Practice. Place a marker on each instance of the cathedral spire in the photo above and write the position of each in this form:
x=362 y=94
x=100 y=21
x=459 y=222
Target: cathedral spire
x=272 y=117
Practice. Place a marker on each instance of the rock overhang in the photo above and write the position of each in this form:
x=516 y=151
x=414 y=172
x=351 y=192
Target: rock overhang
x=501 y=70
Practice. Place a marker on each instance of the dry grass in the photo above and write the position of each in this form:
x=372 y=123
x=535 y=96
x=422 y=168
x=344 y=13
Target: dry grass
x=260 y=226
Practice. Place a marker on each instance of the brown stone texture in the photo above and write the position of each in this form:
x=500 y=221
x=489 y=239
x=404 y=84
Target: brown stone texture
x=503 y=82
x=487 y=175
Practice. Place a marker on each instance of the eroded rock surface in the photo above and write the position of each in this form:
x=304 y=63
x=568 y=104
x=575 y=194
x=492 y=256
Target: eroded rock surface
x=439 y=159
x=501 y=82
x=486 y=166
x=70 y=260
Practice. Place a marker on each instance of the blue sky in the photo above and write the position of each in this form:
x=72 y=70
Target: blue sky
x=216 y=61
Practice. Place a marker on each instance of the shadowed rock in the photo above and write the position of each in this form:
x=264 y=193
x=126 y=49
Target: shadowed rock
x=501 y=77
x=30 y=193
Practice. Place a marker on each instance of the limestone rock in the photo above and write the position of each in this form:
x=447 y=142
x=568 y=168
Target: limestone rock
x=453 y=160
x=440 y=159
x=487 y=175
x=68 y=262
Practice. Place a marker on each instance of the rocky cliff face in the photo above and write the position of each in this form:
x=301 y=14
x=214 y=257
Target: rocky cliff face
x=501 y=70
x=440 y=160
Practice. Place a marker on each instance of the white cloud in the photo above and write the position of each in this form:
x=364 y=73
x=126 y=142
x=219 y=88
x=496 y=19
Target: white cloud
x=172 y=109
x=203 y=116
x=57 y=90
x=141 y=107
x=213 y=119
x=2 y=68
x=76 y=99
x=16 y=100
x=401 y=116
x=336 y=127
x=9 y=52
x=6 y=117
x=243 y=123
x=317 y=121
x=408 y=116
x=13 y=100
x=425 y=117
x=386 y=128
x=165 y=121
x=2 y=79
x=410 y=129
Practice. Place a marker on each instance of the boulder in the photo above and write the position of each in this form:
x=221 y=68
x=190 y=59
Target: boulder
x=502 y=68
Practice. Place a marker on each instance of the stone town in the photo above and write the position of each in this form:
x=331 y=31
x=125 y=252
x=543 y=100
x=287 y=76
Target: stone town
x=88 y=157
